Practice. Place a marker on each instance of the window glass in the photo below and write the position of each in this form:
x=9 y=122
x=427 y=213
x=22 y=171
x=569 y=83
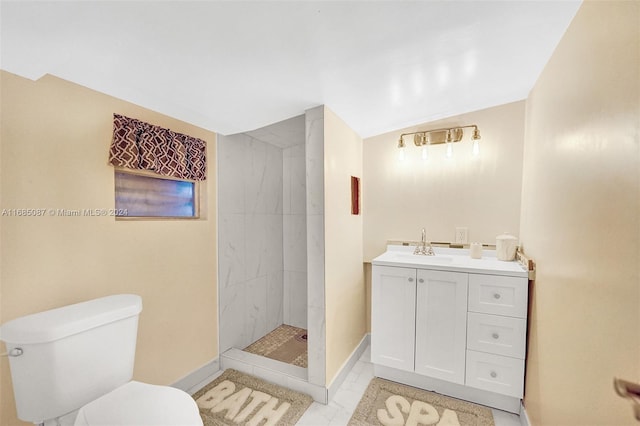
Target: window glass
x=148 y=196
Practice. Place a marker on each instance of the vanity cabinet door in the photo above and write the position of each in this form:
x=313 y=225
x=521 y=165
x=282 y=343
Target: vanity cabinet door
x=393 y=316
x=441 y=325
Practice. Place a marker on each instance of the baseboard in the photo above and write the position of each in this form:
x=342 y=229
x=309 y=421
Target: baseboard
x=348 y=365
x=194 y=381
x=524 y=417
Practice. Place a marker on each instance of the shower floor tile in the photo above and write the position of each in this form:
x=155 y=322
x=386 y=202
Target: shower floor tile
x=286 y=343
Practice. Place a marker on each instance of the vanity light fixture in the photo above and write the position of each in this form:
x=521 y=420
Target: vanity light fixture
x=401 y=152
x=475 y=148
x=475 y=137
x=449 y=142
x=448 y=136
x=425 y=146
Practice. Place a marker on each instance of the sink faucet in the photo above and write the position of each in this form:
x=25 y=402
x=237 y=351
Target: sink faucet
x=422 y=248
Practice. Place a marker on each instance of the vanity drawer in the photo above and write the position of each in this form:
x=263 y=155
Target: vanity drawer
x=495 y=373
x=500 y=295
x=496 y=334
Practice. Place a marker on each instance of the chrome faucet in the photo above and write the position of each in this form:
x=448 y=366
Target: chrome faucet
x=422 y=248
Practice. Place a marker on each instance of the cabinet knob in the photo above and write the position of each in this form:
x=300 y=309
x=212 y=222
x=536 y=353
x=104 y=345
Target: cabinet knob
x=495 y=335
x=493 y=374
x=421 y=280
x=496 y=295
x=410 y=280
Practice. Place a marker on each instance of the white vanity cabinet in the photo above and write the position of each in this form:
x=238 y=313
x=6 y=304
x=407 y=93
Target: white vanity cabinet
x=419 y=321
x=456 y=326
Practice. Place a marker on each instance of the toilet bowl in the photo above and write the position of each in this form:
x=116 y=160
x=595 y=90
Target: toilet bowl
x=73 y=366
x=138 y=404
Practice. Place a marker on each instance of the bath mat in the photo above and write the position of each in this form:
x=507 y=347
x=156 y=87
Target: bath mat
x=286 y=343
x=235 y=399
x=389 y=403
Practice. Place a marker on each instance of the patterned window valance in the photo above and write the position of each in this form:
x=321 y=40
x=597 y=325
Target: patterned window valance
x=143 y=146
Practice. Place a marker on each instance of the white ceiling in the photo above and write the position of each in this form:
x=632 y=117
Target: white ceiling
x=236 y=66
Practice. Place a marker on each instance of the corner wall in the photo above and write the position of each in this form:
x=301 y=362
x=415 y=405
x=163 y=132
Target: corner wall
x=55 y=137
x=581 y=220
x=344 y=276
x=315 y=211
x=336 y=291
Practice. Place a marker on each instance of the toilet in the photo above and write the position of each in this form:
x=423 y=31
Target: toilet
x=73 y=366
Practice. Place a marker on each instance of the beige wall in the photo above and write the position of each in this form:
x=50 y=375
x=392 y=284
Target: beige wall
x=581 y=220
x=481 y=193
x=55 y=141
x=344 y=277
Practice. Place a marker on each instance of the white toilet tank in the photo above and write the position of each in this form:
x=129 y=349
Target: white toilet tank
x=71 y=355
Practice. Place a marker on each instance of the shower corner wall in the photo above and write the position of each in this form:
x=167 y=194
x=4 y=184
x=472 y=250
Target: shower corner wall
x=294 y=236
x=316 y=323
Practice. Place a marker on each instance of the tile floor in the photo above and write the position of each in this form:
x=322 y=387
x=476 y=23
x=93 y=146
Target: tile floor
x=339 y=410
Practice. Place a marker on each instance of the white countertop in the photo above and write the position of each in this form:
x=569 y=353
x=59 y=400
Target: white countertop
x=449 y=259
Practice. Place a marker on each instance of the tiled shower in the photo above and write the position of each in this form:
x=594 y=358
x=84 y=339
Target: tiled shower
x=262 y=232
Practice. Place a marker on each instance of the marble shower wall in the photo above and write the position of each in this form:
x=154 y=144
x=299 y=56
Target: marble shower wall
x=250 y=239
x=316 y=324
x=294 y=219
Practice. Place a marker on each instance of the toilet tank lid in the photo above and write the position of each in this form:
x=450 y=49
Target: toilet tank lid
x=61 y=322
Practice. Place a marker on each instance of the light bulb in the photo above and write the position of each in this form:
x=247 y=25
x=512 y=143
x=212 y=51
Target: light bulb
x=425 y=152
x=475 y=149
x=449 y=149
x=401 y=154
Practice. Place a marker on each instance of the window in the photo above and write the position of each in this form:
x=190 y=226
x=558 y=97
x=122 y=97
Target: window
x=140 y=195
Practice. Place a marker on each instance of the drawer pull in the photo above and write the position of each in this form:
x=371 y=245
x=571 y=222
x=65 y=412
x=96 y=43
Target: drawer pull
x=496 y=296
x=493 y=374
x=495 y=335
x=421 y=280
x=410 y=280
